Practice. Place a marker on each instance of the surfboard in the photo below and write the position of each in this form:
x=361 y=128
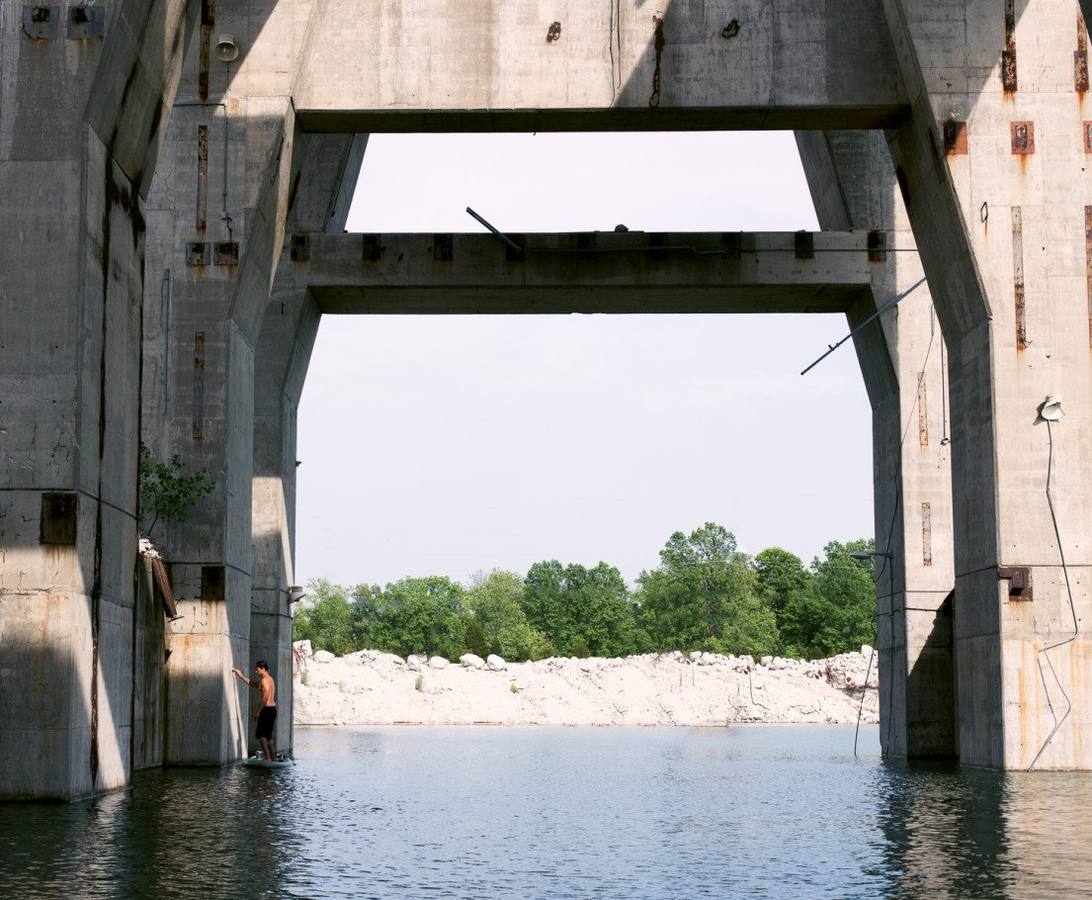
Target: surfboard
x=257 y=762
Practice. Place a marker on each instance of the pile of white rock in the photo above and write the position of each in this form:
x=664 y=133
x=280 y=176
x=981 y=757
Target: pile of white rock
x=369 y=687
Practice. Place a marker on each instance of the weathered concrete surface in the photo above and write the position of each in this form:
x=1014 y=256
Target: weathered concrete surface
x=328 y=175
x=594 y=272
x=986 y=115
x=992 y=166
x=852 y=184
x=519 y=65
x=81 y=115
x=219 y=206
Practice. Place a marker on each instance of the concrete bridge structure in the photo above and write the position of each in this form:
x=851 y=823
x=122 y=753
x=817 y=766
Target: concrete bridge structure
x=171 y=209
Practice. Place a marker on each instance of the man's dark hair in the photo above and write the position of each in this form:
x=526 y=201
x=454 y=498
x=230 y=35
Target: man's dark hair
x=261 y=664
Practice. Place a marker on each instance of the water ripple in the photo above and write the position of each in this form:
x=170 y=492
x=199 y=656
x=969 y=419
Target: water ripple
x=478 y=812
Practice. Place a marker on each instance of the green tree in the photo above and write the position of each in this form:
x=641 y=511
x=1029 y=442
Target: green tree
x=789 y=590
x=705 y=596
x=425 y=615
x=498 y=623
x=325 y=618
x=368 y=624
x=836 y=613
x=847 y=585
x=582 y=611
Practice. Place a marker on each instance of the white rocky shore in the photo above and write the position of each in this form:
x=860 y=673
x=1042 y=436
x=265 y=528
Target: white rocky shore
x=699 y=689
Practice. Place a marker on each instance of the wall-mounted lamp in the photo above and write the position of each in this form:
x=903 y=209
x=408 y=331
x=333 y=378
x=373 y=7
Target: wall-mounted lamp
x=869 y=554
x=1050 y=410
x=296 y=593
x=226 y=49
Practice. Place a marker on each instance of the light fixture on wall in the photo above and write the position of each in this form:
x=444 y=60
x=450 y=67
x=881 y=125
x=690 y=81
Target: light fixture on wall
x=296 y=593
x=226 y=49
x=1050 y=410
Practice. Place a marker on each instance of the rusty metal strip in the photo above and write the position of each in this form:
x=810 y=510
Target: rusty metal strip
x=923 y=412
x=1080 y=57
x=1088 y=265
x=159 y=569
x=208 y=20
x=1018 y=277
x=1022 y=134
x=1008 y=55
x=202 y=176
x=198 y=386
x=658 y=44
x=926 y=535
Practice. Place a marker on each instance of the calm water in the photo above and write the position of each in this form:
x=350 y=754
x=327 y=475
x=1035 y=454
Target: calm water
x=484 y=812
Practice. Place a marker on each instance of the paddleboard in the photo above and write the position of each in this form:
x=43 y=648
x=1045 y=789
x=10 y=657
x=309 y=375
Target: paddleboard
x=257 y=762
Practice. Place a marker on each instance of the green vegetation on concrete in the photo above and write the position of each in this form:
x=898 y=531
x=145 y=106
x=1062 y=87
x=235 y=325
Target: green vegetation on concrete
x=168 y=491
x=706 y=594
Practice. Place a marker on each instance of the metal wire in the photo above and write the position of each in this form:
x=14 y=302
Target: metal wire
x=1042 y=654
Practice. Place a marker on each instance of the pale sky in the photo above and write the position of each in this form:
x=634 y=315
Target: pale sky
x=450 y=445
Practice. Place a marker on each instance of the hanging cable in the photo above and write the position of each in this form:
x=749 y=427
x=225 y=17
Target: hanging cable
x=1042 y=654
x=860 y=709
x=945 y=439
x=888 y=556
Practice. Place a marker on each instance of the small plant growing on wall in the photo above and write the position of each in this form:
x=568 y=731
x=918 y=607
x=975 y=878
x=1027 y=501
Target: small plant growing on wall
x=168 y=492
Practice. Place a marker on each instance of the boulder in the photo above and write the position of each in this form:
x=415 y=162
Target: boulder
x=471 y=661
x=324 y=656
x=438 y=662
x=765 y=661
x=495 y=663
x=415 y=663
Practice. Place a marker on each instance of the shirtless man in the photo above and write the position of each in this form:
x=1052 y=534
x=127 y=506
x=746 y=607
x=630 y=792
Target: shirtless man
x=267 y=715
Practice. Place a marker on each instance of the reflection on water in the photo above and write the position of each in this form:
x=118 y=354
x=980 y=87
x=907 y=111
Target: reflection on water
x=479 y=812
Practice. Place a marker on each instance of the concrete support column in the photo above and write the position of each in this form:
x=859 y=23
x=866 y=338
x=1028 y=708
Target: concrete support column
x=853 y=186
x=328 y=174
x=80 y=115
x=991 y=165
x=218 y=210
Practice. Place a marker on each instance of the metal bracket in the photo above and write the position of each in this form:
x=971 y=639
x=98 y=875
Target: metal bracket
x=86 y=22
x=443 y=248
x=300 y=250
x=58 y=522
x=197 y=253
x=372 y=248
x=1019 y=579
x=41 y=23
x=225 y=253
x=804 y=245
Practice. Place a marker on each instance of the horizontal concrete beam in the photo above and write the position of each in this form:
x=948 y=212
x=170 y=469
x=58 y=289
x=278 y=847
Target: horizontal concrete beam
x=593 y=272
x=514 y=65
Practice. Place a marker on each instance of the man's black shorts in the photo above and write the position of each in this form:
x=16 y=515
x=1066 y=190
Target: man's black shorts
x=267 y=718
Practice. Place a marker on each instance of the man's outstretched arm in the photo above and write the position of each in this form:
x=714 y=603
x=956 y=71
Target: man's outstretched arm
x=238 y=673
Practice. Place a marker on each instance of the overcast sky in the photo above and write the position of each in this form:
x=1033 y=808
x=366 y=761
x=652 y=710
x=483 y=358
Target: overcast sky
x=449 y=445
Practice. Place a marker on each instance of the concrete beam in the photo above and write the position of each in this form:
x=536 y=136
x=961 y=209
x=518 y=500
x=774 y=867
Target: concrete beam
x=80 y=122
x=327 y=181
x=608 y=272
x=852 y=182
x=515 y=65
x=992 y=165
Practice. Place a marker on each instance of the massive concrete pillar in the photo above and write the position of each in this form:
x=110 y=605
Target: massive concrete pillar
x=328 y=175
x=991 y=165
x=852 y=182
x=217 y=215
x=84 y=93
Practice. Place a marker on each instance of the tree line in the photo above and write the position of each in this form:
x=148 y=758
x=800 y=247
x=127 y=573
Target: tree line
x=706 y=594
